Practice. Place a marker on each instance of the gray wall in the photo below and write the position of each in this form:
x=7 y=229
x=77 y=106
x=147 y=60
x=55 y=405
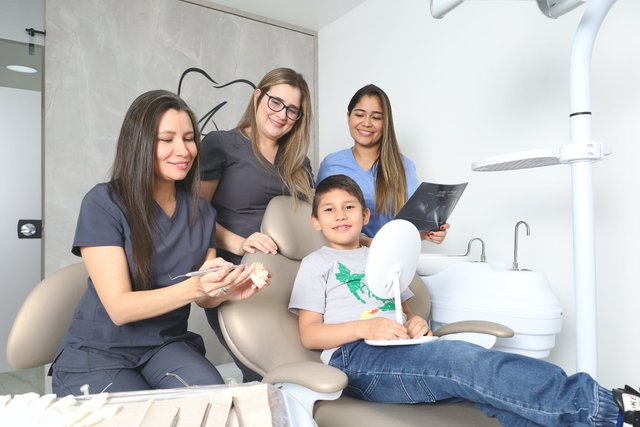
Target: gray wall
x=102 y=54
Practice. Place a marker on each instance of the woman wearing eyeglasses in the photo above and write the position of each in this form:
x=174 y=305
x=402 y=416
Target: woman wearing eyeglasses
x=263 y=157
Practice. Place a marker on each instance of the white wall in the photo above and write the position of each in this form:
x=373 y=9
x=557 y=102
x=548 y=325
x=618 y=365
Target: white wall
x=492 y=78
x=16 y=15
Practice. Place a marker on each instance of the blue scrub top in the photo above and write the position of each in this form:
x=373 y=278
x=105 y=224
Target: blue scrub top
x=343 y=162
x=93 y=341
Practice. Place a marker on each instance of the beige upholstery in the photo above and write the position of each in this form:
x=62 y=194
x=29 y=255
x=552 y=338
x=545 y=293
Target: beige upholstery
x=44 y=317
x=263 y=334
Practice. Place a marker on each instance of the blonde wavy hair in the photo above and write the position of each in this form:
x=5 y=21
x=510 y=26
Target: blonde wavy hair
x=293 y=147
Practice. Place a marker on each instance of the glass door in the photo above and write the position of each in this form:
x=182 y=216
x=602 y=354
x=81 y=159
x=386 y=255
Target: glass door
x=21 y=177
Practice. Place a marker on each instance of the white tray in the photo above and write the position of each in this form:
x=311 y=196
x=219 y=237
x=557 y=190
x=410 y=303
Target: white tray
x=411 y=341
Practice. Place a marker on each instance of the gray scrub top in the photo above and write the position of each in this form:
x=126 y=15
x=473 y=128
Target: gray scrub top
x=246 y=185
x=93 y=341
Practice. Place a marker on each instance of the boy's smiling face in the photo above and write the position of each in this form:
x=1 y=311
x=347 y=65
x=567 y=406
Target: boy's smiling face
x=340 y=218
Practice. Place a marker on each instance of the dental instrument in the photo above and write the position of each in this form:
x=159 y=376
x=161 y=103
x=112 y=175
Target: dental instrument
x=201 y=272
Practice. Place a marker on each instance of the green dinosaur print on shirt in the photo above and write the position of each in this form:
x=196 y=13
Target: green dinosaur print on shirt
x=356 y=286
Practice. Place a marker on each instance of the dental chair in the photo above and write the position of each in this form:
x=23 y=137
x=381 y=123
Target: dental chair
x=263 y=335
x=44 y=317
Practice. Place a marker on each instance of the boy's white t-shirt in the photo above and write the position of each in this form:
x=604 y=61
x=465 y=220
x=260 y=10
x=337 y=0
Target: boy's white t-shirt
x=331 y=282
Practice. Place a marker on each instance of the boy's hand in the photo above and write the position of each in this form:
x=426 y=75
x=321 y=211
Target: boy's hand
x=417 y=327
x=380 y=328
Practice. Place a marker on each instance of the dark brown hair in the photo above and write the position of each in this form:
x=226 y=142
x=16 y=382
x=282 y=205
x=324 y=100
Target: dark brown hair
x=391 y=179
x=132 y=177
x=337 y=182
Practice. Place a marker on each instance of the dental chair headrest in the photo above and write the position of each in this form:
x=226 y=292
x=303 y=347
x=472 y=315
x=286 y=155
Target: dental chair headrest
x=288 y=222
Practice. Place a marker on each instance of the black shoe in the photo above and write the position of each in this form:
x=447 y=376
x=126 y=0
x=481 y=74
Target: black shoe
x=628 y=401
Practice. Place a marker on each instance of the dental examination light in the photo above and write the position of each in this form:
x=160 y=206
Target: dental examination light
x=580 y=153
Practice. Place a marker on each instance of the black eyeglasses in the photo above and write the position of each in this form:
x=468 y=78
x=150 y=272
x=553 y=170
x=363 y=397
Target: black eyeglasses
x=276 y=105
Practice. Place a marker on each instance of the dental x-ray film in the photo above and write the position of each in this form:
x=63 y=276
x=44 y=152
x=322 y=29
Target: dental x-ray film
x=431 y=205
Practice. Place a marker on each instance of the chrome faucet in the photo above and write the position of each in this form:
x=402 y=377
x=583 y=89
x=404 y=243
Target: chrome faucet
x=514 y=266
x=483 y=258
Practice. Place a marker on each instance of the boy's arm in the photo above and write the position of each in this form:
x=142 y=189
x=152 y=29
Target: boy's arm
x=416 y=326
x=317 y=335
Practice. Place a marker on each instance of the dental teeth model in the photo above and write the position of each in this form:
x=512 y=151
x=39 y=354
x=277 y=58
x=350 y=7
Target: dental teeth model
x=259 y=274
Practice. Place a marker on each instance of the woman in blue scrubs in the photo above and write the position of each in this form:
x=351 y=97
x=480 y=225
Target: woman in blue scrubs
x=134 y=233
x=387 y=177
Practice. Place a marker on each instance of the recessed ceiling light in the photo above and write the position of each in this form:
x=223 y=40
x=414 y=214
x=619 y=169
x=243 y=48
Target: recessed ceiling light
x=22 y=69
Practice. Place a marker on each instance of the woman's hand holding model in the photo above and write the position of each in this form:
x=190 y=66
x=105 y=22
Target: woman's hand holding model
x=229 y=283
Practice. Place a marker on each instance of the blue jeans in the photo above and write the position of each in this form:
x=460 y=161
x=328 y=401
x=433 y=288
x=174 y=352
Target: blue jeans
x=518 y=390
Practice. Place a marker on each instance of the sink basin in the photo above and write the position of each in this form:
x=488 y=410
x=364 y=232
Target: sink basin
x=522 y=300
x=430 y=264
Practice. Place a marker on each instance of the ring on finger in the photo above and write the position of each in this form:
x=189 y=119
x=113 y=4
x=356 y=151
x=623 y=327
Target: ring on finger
x=223 y=290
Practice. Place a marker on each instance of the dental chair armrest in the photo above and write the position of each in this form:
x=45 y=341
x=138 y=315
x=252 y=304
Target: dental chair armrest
x=315 y=376
x=475 y=326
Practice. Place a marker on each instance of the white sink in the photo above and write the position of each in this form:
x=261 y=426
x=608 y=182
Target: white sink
x=522 y=300
x=430 y=264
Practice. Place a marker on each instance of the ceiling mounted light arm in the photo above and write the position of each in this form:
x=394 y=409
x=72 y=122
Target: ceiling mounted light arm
x=439 y=8
x=580 y=69
x=550 y=8
x=556 y=8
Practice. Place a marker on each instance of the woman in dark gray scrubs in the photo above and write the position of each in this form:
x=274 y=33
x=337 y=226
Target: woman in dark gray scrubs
x=146 y=225
x=263 y=157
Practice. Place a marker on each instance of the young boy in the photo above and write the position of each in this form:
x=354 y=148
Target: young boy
x=337 y=312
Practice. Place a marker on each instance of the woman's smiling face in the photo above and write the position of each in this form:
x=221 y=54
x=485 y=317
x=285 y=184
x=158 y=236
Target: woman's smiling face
x=366 y=121
x=175 y=146
x=274 y=125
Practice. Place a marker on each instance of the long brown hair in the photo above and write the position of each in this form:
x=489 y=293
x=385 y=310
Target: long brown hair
x=292 y=147
x=132 y=177
x=391 y=179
